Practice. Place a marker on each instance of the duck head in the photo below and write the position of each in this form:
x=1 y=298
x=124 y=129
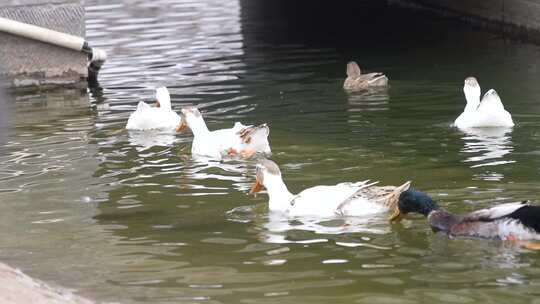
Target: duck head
x=353 y=70
x=163 y=99
x=413 y=201
x=471 y=89
x=267 y=174
x=192 y=118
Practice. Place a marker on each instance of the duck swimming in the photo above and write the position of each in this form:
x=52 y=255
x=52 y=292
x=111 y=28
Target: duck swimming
x=345 y=199
x=489 y=112
x=160 y=117
x=240 y=140
x=511 y=221
x=357 y=81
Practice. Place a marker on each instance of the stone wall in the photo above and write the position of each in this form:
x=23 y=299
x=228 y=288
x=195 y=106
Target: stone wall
x=32 y=63
x=521 y=17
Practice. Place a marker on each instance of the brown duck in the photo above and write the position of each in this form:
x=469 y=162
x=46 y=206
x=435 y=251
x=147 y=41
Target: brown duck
x=358 y=81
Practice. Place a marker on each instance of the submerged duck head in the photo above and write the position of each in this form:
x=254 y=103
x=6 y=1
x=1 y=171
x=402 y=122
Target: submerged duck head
x=471 y=89
x=163 y=99
x=412 y=200
x=267 y=172
x=191 y=117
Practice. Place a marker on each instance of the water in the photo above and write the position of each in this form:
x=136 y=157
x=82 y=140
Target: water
x=131 y=217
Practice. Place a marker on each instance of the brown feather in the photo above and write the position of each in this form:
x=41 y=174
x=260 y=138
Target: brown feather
x=245 y=133
x=387 y=196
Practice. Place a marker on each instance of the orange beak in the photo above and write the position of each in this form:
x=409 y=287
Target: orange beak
x=257 y=186
x=181 y=126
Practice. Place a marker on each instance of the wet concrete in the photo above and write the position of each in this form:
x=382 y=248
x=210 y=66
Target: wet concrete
x=16 y=287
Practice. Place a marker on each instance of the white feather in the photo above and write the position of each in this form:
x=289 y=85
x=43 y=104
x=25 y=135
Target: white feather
x=146 y=117
x=488 y=113
x=494 y=212
x=220 y=142
x=513 y=229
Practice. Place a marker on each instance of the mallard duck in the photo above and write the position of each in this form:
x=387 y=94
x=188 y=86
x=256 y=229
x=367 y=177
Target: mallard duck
x=511 y=221
x=348 y=199
x=159 y=117
x=239 y=140
x=357 y=81
x=489 y=112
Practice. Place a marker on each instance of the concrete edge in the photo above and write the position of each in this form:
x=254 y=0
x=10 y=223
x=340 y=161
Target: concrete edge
x=17 y=287
x=494 y=25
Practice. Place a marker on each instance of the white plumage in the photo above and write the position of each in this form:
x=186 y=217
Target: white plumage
x=239 y=140
x=489 y=112
x=344 y=199
x=161 y=117
x=494 y=212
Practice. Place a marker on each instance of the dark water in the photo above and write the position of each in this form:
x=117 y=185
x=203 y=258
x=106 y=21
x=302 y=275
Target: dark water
x=131 y=217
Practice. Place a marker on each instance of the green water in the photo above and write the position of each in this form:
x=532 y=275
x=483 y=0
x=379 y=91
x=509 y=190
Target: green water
x=131 y=217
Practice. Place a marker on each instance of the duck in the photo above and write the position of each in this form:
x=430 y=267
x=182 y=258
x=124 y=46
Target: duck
x=517 y=221
x=158 y=117
x=357 y=81
x=489 y=112
x=344 y=199
x=240 y=140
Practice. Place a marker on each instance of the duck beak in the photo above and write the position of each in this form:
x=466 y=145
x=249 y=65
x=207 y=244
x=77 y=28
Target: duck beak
x=396 y=216
x=256 y=187
x=182 y=125
x=157 y=105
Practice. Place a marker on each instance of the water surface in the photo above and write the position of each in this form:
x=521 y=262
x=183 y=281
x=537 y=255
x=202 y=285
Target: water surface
x=131 y=217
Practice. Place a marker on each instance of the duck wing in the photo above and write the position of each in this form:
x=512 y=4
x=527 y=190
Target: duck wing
x=491 y=102
x=255 y=137
x=375 y=78
x=249 y=132
x=387 y=196
x=507 y=221
x=141 y=106
x=238 y=126
x=494 y=213
x=527 y=214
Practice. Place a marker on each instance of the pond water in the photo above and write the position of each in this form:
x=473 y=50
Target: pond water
x=131 y=217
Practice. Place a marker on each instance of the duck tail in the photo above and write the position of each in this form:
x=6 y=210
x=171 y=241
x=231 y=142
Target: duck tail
x=255 y=138
x=391 y=200
x=528 y=216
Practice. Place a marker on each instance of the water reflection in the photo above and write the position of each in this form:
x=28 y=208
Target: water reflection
x=199 y=170
x=363 y=105
x=282 y=229
x=145 y=222
x=488 y=147
x=4 y=113
x=144 y=140
x=276 y=227
x=374 y=99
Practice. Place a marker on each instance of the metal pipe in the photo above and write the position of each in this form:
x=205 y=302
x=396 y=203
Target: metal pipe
x=96 y=57
x=42 y=34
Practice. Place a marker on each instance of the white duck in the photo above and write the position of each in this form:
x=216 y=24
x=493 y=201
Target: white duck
x=239 y=140
x=349 y=199
x=160 y=117
x=489 y=112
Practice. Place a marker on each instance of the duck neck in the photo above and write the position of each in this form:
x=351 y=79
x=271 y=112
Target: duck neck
x=199 y=128
x=472 y=94
x=441 y=220
x=429 y=207
x=279 y=196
